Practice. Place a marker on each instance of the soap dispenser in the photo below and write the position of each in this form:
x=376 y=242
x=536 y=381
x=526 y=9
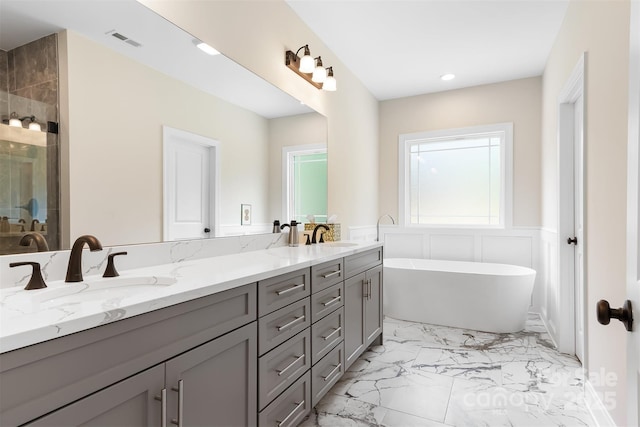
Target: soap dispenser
x=293 y=232
x=276 y=226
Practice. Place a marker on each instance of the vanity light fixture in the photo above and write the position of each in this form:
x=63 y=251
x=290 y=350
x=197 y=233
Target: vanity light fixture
x=16 y=121
x=330 y=82
x=310 y=69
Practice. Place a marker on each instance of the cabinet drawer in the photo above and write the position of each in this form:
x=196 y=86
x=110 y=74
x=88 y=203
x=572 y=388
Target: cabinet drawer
x=326 y=301
x=326 y=373
x=326 y=274
x=326 y=333
x=279 y=326
x=290 y=407
x=358 y=263
x=280 y=367
x=277 y=292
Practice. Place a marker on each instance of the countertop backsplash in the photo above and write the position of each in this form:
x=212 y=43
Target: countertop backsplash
x=54 y=263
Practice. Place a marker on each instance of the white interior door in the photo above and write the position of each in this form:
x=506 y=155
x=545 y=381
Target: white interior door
x=633 y=220
x=189 y=177
x=578 y=207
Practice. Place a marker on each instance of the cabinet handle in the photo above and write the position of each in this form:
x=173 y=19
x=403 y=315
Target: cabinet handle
x=365 y=289
x=369 y=293
x=332 y=301
x=335 y=331
x=293 y=322
x=180 y=390
x=333 y=371
x=163 y=407
x=293 y=288
x=298 y=406
x=333 y=273
x=298 y=358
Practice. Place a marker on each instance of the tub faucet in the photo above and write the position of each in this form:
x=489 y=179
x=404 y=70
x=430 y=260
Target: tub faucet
x=315 y=230
x=41 y=243
x=74 y=270
x=393 y=221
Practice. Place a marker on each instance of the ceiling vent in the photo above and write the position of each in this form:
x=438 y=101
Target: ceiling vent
x=124 y=38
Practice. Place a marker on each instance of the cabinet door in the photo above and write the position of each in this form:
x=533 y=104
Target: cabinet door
x=353 y=318
x=215 y=384
x=373 y=305
x=130 y=402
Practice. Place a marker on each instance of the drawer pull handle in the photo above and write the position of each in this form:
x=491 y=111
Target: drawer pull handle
x=332 y=301
x=333 y=273
x=291 y=289
x=180 y=390
x=335 y=331
x=298 y=358
x=333 y=371
x=163 y=407
x=290 y=324
x=298 y=406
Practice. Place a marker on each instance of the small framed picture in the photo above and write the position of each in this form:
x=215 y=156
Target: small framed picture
x=245 y=214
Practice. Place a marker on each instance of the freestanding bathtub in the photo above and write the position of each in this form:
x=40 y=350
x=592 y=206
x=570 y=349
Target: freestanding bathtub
x=471 y=295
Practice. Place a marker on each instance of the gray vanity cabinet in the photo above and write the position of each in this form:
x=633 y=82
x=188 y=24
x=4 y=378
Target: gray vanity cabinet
x=44 y=379
x=373 y=305
x=362 y=303
x=215 y=384
x=128 y=403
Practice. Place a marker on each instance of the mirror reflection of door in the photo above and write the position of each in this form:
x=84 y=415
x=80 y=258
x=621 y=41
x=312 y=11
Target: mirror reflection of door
x=189 y=185
x=305 y=183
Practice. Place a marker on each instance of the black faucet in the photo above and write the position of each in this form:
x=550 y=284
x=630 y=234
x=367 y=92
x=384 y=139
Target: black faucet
x=74 y=270
x=316 y=228
x=38 y=238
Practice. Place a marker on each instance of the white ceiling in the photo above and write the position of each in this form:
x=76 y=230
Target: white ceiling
x=165 y=47
x=401 y=48
x=397 y=48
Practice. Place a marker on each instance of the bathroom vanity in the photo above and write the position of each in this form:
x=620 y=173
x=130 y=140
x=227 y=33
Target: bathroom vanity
x=259 y=345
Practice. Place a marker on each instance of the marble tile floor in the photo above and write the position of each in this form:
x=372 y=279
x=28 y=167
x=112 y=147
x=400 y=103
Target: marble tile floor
x=428 y=375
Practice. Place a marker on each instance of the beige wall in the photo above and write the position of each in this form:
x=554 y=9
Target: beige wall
x=114 y=114
x=304 y=129
x=600 y=28
x=256 y=34
x=517 y=101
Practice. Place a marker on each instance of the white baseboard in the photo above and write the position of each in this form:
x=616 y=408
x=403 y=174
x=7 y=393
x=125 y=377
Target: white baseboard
x=596 y=408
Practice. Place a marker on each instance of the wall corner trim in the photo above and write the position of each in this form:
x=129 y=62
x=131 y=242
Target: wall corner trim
x=596 y=408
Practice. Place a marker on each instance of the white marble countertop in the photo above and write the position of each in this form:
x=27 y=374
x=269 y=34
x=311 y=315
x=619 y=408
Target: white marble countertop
x=34 y=316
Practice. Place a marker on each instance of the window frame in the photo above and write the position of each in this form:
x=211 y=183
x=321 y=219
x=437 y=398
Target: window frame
x=288 y=152
x=506 y=155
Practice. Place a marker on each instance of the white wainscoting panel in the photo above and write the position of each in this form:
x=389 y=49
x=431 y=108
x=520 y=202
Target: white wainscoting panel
x=454 y=248
x=508 y=250
x=402 y=245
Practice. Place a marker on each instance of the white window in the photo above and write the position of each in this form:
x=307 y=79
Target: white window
x=456 y=177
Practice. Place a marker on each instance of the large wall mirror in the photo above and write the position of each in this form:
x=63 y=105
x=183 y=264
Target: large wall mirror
x=124 y=76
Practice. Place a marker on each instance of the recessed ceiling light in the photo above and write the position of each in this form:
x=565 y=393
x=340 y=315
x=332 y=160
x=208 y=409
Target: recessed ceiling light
x=448 y=76
x=205 y=48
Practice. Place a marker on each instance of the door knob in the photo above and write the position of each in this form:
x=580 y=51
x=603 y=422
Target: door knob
x=207 y=230
x=624 y=314
x=572 y=240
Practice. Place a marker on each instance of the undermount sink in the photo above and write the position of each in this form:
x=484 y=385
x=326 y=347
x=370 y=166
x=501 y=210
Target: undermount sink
x=340 y=244
x=95 y=290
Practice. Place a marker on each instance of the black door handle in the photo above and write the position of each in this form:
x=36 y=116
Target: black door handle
x=572 y=240
x=207 y=230
x=624 y=314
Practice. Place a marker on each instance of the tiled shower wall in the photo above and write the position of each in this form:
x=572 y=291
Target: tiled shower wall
x=29 y=86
